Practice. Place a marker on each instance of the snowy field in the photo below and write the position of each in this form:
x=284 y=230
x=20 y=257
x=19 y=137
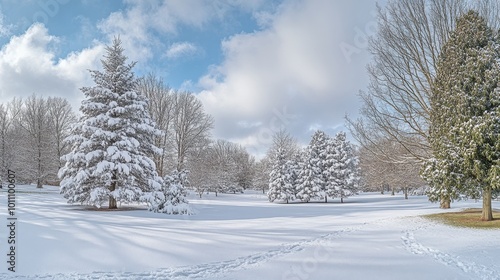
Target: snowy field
x=370 y=236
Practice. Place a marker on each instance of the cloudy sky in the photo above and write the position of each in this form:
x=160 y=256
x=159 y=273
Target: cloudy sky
x=257 y=65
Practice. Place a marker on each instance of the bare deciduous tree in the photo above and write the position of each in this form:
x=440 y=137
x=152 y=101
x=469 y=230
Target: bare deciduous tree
x=35 y=122
x=8 y=114
x=181 y=117
x=161 y=109
x=261 y=174
x=222 y=166
x=190 y=125
x=381 y=172
x=283 y=140
x=61 y=116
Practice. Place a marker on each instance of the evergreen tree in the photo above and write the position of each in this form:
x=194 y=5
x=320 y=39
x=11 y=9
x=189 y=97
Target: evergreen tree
x=312 y=174
x=343 y=170
x=280 y=178
x=170 y=197
x=465 y=123
x=329 y=172
x=112 y=144
x=296 y=165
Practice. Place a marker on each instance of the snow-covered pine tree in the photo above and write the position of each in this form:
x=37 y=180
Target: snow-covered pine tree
x=112 y=144
x=465 y=115
x=170 y=197
x=280 y=187
x=343 y=171
x=329 y=174
x=295 y=166
x=309 y=182
x=311 y=176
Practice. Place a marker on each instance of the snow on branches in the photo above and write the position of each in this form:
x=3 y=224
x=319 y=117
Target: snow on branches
x=326 y=168
x=169 y=196
x=112 y=144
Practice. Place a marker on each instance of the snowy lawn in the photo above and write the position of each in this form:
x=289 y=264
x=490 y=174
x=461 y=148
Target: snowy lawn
x=242 y=236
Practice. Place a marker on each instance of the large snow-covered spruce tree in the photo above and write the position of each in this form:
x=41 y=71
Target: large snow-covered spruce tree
x=112 y=144
x=465 y=115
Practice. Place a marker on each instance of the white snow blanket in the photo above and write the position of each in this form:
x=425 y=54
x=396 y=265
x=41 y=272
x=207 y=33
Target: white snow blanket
x=243 y=236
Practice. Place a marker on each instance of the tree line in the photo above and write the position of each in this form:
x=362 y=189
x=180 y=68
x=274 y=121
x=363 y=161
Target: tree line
x=33 y=132
x=42 y=138
x=326 y=168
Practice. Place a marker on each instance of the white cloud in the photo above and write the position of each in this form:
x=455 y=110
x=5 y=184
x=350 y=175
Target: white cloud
x=4 y=29
x=291 y=74
x=132 y=28
x=137 y=24
x=179 y=49
x=28 y=65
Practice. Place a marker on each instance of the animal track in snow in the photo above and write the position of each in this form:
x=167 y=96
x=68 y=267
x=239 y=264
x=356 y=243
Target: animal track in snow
x=470 y=268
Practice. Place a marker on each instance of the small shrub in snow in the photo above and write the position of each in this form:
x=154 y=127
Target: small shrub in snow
x=170 y=196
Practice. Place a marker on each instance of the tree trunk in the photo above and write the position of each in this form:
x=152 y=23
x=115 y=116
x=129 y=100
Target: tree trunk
x=487 y=214
x=341 y=200
x=326 y=199
x=392 y=191
x=444 y=202
x=406 y=192
x=112 y=203
x=39 y=179
x=112 y=199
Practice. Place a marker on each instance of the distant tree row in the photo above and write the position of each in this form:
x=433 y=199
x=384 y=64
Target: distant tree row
x=381 y=173
x=130 y=133
x=221 y=167
x=32 y=133
x=326 y=168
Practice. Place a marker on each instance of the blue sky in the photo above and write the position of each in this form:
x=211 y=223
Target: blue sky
x=256 y=65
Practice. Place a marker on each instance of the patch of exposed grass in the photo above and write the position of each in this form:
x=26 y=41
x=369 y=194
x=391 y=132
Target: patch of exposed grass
x=470 y=218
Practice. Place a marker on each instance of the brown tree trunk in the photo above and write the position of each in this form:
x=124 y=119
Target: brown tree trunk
x=392 y=191
x=444 y=202
x=112 y=203
x=487 y=214
x=406 y=192
x=112 y=199
x=39 y=180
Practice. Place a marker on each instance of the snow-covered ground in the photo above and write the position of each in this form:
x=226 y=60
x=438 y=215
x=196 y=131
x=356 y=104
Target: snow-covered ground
x=242 y=236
